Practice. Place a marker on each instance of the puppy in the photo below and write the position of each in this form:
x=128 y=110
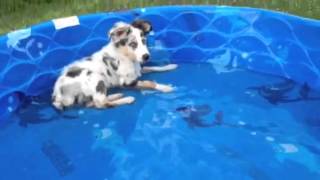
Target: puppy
x=118 y=64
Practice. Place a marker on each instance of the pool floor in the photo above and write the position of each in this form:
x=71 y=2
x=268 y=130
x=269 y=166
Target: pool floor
x=217 y=124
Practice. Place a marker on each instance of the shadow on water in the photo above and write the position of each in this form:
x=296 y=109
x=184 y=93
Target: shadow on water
x=38 y=110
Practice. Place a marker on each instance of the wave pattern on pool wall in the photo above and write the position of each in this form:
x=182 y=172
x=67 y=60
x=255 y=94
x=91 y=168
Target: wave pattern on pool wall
x=264 y=41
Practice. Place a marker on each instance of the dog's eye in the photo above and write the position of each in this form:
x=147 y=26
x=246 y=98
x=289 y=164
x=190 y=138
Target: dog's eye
x=134 y=45
x=143 y=41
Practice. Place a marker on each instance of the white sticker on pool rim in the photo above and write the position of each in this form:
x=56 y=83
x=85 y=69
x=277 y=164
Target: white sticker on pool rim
x=61 y=23
x=14 y=37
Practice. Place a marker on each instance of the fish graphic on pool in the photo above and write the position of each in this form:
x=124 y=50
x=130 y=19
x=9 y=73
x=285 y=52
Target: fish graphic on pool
x=57 y=157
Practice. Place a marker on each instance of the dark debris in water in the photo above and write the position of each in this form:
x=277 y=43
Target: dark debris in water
x=193 y=115
x=33 y=114
x=58 y=158
x=278 y=93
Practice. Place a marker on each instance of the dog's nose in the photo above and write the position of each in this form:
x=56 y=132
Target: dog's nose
x=145 y=57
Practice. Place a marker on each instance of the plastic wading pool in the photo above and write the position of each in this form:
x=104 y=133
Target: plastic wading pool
x=259 y=40
x=229 y=38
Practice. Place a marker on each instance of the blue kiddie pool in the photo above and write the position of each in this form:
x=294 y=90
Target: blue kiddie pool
x=246 y=103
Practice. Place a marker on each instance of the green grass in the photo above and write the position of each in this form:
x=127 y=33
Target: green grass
x=16 y=14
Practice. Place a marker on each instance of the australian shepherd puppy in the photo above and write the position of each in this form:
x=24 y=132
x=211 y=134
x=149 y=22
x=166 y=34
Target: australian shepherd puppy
x=118 y=64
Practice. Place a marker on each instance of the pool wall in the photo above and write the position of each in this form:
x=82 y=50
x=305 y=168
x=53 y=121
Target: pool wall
x=230 y=37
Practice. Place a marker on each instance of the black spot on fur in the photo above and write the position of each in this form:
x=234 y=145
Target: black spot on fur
x=133 y=45
x=62 y=90
x=144 y=41
x=106 y=58
x=78 y=99
x=144 y=26
x=129 y=31
x=82 y=99
x=105 y=61
x=90 y=98
x=109 y=73
x=74 y=72
x=122 y=42
x=114 y=65
x=101 y=87
x=134 y=83
x=89 y=72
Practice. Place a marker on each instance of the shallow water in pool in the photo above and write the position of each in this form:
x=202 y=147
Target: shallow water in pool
x=219 y=123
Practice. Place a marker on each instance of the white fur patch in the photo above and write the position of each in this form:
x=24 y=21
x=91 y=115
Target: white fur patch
x=66 y=22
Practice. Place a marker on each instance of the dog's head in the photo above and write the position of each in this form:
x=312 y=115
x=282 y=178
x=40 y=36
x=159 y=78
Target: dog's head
x=130 y=39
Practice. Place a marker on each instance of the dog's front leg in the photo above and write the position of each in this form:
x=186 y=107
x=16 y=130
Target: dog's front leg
x=149 y=69
x=111 y=101
x=153 y=86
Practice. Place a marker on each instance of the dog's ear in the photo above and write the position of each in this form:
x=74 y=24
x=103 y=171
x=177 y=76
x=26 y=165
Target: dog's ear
x=143 y=25
x=119 y=31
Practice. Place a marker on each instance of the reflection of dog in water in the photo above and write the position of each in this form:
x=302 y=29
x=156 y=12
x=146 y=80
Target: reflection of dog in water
x=38 y=110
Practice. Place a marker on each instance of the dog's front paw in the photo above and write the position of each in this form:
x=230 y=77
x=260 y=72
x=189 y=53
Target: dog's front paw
x=128 y=100
x=116 y=96
x=170 y=67
x=164 y=88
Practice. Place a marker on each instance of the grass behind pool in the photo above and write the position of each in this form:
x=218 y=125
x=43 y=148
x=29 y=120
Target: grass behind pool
x=17 y=14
